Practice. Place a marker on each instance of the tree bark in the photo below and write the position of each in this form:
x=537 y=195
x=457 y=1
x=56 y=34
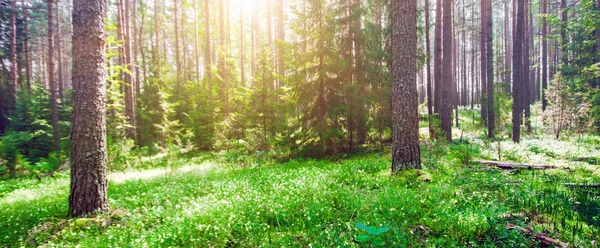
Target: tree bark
x=563 y=31
x=437 y=59
x=447 y=72
x=507 y=48
x=59 y=37
x=88 y=137
x=406 y=152
x=178 y=112
x=242 y=68
x=526 y=101
x=136 y=88
x=428 y=62
x=26 y=46
x=484 y=65
x=51 y=79
x=544 y=53
x=281 y=38
x=207 y=53
x=221 y=52
x=14 y=86
x=518 y=72
x=490 y=68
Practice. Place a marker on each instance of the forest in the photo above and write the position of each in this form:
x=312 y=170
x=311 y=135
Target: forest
x=299 y=123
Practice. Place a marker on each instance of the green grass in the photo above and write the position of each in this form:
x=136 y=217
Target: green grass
x=200 y=201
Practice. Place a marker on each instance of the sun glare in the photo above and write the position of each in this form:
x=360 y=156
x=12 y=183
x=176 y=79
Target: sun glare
x=247 y=6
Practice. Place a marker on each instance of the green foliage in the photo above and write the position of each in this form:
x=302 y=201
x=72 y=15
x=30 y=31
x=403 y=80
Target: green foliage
x=28 y=143
x=372 y=238
x=305 y=202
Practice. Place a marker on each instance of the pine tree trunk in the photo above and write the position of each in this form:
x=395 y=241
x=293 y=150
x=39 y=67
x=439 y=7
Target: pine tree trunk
x=447 y=72
x=544 y=54
x=137 y=33
x=281 y=38
x=242 y=67
x=88 y=150
x=26 y=47
x=221 y=52
x=484 y=65
x=428 y=63
x=437 y=59
x=196 y=43
x=59 y=53
x=518 y=72
x=526 y=70
x=563 y=32
x=156 y=54
x=490 y=69
x=507 y=48
x=52 y=80
x=405 y=152
x=207 y=52
x=14 y=86
x=129 y=87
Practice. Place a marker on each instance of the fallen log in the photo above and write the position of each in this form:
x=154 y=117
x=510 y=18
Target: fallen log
x=589 y=160
x=512 y=166
x=544 y=240
x=582 y=185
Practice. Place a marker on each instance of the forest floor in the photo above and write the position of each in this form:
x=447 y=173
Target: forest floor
x=347 y=202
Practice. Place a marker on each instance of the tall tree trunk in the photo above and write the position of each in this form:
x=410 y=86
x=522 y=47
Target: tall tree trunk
x=242 y=67
x=156 y=53
x=544 y=53
x=14 y=86
x=455 y=78
x=507 y=48
x=88 y=138
x=222 y=72
x=52 y=80
x=484 y=65
x=428 y=62
x=207 y=52
x=518 y=72
x=137 y=34
x=405 y=152
x=526 y=70
x=281 y=38
x=563 y=32
x=59 y=37
x=129 y=87
x=26 y=47
x=437 y=59
x=447 y=72
x=178 y=112
x=359 y=78
x=598 y=33
x=473 y=71
x=463 y=93
x=196 y=43
x=490 y=68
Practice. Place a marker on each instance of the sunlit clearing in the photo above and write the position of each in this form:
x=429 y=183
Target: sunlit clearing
x=121 y=177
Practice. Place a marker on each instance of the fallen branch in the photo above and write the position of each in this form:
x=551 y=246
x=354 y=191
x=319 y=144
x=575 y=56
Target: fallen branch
x=589 y=160
x=544 y=240
x=512 y=166
x=582 y=185
x=515 y=216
